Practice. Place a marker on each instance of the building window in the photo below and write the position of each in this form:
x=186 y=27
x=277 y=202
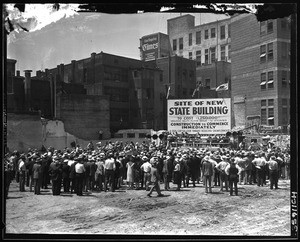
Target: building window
x=206 y=57
x=263 y=103
x=198 y=57
x=270 y=80
x=270 y=51
x=206 y=34
x=213 y=54
x=263 y=81
x=212 y=33
x=270 y=26
x=284 y=79
x=198 y=37
x=174 y=44
x=190 y=39
x=284 y=50
x=262 y=53
x=263 y=116
x=190 y=55
x=207 y=83
x=270 y=102
x=223 y=55
x=180 y=43
x=229 y=51
x=263 y=28
x=229 y=30
x=270 y=116
x=222 y=30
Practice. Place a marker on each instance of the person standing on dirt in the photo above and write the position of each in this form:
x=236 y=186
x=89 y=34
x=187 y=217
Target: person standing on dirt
x=165 y=171
x=56 y=175
x=146 y=168
x=259 y=166
x=110 y=168
x=192 y=167
x=66 y=174
x=80 y=170
x=233 y=172
x=22 y=172
x=183 y=169
x=221 y=166
x=130 y=172
x=29 y=165
x=177 y=173
x=72 y=174
x=117 y=172
x=87 y=167
x=9 y=173
x=207 y=170
x=273 y=171
x=99 y=174
x=248 y=169
x=37 y=176
x=155 y=178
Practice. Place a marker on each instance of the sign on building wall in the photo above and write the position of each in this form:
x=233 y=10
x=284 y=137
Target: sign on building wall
x=203 y=116
x=149 y=47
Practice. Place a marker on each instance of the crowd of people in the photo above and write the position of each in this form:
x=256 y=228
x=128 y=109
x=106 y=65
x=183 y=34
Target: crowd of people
x=143 y=166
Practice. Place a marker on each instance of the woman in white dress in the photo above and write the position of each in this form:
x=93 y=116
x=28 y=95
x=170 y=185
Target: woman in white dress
x=130 y=172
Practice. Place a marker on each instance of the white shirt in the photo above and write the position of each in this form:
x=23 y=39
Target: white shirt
x=146 y=167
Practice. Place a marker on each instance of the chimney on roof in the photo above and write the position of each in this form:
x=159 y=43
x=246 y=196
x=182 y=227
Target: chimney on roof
x=18 y=72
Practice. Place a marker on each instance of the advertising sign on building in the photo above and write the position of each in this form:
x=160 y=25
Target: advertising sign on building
x=149 y=47
x=203 y=116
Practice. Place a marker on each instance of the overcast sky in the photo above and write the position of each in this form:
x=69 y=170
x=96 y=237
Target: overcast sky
x=76 y=37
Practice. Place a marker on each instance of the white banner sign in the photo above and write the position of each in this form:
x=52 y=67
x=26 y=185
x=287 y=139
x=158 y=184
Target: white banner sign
x=204 y=116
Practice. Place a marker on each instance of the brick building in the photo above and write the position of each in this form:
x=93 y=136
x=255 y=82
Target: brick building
x=127 y=83
x=208 y=45
x=260 y=63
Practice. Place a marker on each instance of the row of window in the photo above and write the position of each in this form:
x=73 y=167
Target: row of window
x=267 y=111
x=198 y=37
x=266 y=52
x=267 y=27
x=210 y=55
x=267 y=80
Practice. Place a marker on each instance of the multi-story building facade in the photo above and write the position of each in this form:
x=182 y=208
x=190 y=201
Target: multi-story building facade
x=127 y=83
x=260 y=63
x=209 y=45
x=205 y=43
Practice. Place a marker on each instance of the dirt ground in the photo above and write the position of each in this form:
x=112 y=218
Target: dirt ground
x=257 y=211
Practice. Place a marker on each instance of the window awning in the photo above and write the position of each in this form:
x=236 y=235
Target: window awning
x=263 y=83
x=262 y=55
x=270 y=81
x=270 y=118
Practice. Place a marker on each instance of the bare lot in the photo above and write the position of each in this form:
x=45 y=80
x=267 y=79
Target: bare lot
x=256 y=211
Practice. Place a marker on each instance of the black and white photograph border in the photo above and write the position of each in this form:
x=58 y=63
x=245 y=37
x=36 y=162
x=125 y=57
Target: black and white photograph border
x=99 y=119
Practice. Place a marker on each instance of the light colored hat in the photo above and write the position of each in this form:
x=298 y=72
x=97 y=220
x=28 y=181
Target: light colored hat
x=144 y=158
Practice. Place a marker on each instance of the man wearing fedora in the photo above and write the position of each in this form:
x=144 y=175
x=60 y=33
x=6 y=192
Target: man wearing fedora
x=155 y=178
x=37 y=176
x=221 y=166
x=207 y=170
